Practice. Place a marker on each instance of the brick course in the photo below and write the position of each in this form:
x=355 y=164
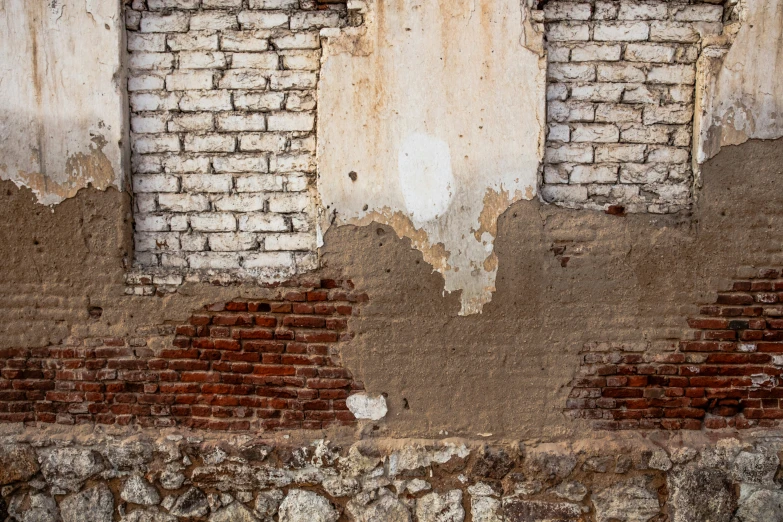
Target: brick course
x=726 y=373
x=242 y=365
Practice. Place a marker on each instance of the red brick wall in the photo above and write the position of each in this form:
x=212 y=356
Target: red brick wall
x=727 y=374
x=241 y=365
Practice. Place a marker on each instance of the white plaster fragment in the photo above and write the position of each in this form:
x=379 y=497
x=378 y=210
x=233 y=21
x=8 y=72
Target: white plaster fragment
x=367 y=407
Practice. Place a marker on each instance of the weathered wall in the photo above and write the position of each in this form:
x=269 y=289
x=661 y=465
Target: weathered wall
x=62 y=101
x=432 y=134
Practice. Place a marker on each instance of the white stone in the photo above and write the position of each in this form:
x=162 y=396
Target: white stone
x=435 y=507
x=306 y=506
x=368 y=407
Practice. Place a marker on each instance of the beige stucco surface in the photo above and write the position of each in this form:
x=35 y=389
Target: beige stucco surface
x=431 y=120
x=741 y=91
x=61 y=95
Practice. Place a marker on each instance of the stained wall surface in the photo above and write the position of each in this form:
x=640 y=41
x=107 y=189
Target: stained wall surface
x=62 y=124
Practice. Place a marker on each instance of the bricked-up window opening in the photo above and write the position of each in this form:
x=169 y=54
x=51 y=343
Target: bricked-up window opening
x=621 y=100
x=222 y=99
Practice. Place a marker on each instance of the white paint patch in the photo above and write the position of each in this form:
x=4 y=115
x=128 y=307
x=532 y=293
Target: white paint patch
x=426 y=180
x=366 y=407
x=438 y=108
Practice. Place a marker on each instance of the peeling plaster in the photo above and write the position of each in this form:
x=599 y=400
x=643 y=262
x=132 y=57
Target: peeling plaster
x=61 y=106
x=431 y=120
x=740 y=90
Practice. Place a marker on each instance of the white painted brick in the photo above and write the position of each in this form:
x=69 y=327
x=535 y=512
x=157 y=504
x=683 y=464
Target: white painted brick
x=642 y=94
x=300 y=101
x=173 y=22
x=157 y=5
x=268 y=260
x=555 y=174
x=209 y=183
x=266 y=142
x=259 y=101
x=145 y=202
x=192 y=122
x=592 y=132
x=155 y=143
x=285 y=80
x=643 y=11
x=240 y=203
x=314 y=20
x=288 y=203
x=591 y=52
x=262 y=223
x=179 y=223
x=570 y=111
x=153 y=123
x=673 y=32
x=202 y=59
x=243 y=79
x=209 y=143
x=205 y=101
x=676 y=74
x=306 y=261
x=262 y=20
x=594 y=174
x=564 y=72
x=597 y=92
x=289 y=121
x=145 y=164
x=668 y=155
x=193 y=41
x=193 y=242
x=617 y=113
x=149 y=42
x=221 y=4
x=132 y=20
x=240 y=122
x=183 y=202
x=649 y=52
x=571 y=153
x=297 y=41
x=232 y=242
x=559 y=133
x=296 y=182
x=145 y=82
x=302 y=60
x=274 y=4
x=213 y=222
x=565 y=193
x=621 y=31
x=567 y=32
x=244 y=40
x=635 y=133
x=269 y=60
x=156 y=241
x=289 y=242
x=292 y=163
x=605 y=10
x=686 y=54
x=259 y=183
x=680 y=172
x=699 y=13
x=568 y=11
x=642 y=173
x=682 y=136
x=189 y=80
x=241 y=163
x=185 y=163
x=556 y=91
x=619 y=152
x=213 y=21
x=214 y=260
x=139 y=60
x=674 y=113
x=619 y=72
x=557 y=53
x=150 y=223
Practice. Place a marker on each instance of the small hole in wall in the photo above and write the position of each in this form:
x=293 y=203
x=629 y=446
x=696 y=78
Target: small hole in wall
x=405 y=405
x=365 y=207
x=388 y=270
x=353 y=175
x=95 y=312
x=35 y=242
x=381 y=232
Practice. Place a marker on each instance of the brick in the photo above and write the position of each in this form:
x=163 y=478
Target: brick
x=567 y=11
x=244 y=41
x=205 y=101
x=619 y=153
x=599 y=133
x=262 y=20
x=213 y=21
x=175 y=21
x=566 y=32
x=596 y=52
x=193 y=41
x=210 y=183
x=650 y=52
x=287 y=121
x=643 y=11
x=621 y=31
x=189 y=80
x=243 y=79
x=209 y=143
x=241 y=122
x=202 y=60
x=213 y=222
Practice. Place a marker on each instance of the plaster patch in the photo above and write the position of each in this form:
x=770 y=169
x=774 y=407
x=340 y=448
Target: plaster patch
x=417 y=127
x=367 y=407
x=739 y=97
